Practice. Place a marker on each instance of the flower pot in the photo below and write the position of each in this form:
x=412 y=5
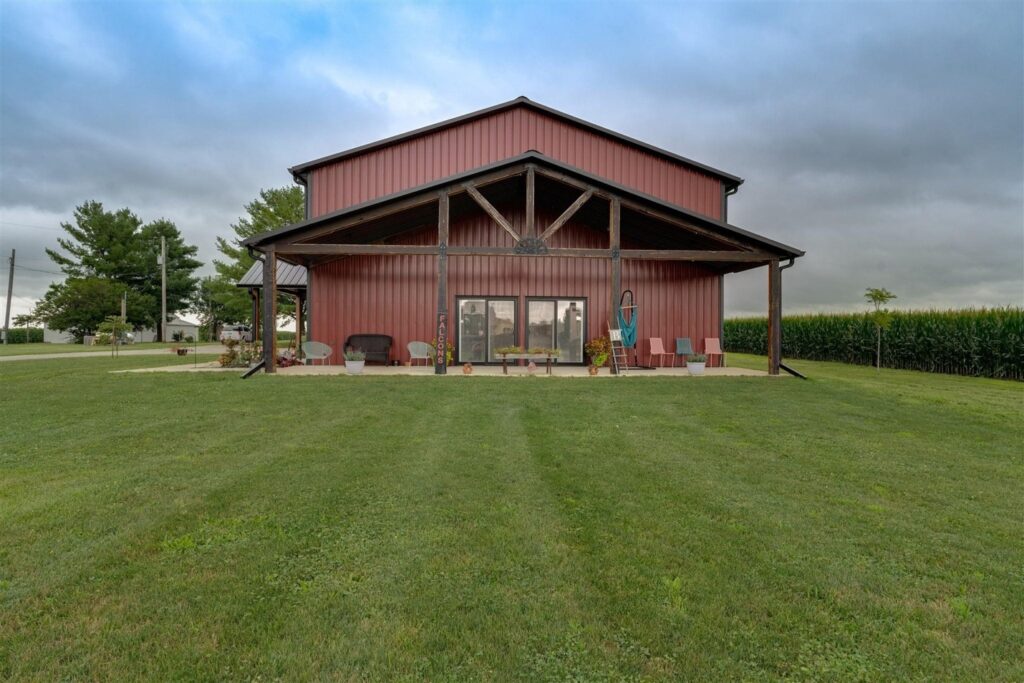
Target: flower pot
x=467 y=369
x=182 y=352
x=695 y=368
x=593 y=370
x=355 y=367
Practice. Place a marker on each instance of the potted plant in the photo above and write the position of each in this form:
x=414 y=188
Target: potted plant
x=597 y=350
x=467 y=369
x=695 y=363
x=355 y=361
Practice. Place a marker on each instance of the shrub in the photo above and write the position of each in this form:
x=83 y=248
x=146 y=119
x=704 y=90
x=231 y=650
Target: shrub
x=21 y=335
x=976 y=342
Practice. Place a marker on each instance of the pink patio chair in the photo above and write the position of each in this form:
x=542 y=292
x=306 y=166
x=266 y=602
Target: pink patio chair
x=658 y=349
x=713 y=347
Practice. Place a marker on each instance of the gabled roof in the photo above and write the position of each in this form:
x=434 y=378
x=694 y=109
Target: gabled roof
x=288 y=276
x=721 y=227
x=522 y=101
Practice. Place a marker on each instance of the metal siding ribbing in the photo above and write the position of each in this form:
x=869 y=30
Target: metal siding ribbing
x=469 y=145
x=395 y=295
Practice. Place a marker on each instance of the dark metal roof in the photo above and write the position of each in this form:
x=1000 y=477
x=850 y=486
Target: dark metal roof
x=535 y=157
x=522 y=101
x=288 y=276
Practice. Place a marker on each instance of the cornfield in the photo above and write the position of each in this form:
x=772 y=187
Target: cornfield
x=977 y=342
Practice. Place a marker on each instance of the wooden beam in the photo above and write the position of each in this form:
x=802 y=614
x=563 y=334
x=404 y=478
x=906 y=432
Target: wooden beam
x=531 y=201
x=774 y=317
x=298 y=325
x=683 y=224
x=705 y=255
x=491 y=211
x=567 y=214
x=346 y=222
x=614 y=240
x=569 y=180
x=270 y=311
x=697 y=255
x=441 y=352
x=355 y=249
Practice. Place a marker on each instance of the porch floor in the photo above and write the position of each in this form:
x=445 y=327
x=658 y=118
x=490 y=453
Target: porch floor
x=517 y=371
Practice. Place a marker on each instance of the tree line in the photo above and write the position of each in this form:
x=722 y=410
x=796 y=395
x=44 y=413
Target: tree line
x=112 y=256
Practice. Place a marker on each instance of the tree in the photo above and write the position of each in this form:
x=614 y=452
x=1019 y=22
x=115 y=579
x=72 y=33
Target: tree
x=215 y=301
x=878 y=298
x=275 y=208
x=80 y=305
x=117 y=247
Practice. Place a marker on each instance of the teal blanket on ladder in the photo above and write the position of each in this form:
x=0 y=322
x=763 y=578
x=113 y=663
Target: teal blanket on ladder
x=628 y=329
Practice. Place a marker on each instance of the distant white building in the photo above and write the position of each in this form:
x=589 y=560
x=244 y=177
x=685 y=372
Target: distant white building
x=56 y=336
x=175 y=324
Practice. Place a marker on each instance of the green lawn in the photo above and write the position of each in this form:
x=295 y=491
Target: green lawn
x=858 y=526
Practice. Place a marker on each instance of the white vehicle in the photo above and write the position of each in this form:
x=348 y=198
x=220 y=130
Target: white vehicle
x=242 y=333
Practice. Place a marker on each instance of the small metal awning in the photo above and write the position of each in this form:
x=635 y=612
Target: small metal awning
x=290 y=278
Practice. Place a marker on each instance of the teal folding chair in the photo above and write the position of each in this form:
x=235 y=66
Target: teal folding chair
x=684 y=348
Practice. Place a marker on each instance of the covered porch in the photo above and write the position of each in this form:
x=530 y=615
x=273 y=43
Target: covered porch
x=538 y=198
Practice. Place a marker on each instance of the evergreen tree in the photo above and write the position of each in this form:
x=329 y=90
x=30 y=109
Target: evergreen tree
x=275 y=208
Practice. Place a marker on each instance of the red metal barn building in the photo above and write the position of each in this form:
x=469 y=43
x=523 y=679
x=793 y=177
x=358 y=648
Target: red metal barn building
x=513 y=225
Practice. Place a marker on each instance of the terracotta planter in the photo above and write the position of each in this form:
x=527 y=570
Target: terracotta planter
x=593 y=370
x=467 y=369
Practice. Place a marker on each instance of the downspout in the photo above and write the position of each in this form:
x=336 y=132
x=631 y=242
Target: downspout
x=795 y=373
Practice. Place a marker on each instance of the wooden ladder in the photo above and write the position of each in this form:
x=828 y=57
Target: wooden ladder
x=620 y=361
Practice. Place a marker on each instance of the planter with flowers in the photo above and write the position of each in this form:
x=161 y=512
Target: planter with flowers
x=598 y=349
x=355 y=361
x=695 y=363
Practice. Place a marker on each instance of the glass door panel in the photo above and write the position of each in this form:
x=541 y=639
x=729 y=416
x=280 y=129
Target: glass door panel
x=570 y=329
x=540 y=324
x=501 y=325
x=472 y=330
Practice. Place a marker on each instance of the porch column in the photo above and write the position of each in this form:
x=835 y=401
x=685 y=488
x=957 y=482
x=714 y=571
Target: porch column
x=270 y=311
x=774 y=317
x=255 y=294
x=531 y=202
x=298 y=325
x=614 y=242
x=441 y=355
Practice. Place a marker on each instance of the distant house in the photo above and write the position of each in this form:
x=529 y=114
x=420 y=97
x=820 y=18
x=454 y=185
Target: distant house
x=57 y=337
x=175 y=324
x=516 y=225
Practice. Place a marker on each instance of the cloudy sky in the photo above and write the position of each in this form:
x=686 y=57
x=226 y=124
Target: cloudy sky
x=885 y=139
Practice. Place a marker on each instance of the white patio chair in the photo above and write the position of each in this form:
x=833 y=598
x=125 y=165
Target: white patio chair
x=420 y=351
x=314 y=351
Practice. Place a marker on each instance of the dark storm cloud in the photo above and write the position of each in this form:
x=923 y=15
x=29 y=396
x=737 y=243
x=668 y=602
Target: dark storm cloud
x=884 y=139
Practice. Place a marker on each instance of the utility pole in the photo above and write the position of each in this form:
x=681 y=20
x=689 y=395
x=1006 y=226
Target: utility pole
x=163 y=288
x=10 y=291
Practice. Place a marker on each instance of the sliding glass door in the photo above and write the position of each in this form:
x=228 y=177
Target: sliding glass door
x=557 y=324
x=485 y=324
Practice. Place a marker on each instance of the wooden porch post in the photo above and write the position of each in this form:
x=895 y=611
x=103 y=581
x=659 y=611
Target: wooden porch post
x=255 y=293
x=270 y=311
x=774 y=317
x=298 y=325
x=441 y=355
x=531 y=202
x=614 y=240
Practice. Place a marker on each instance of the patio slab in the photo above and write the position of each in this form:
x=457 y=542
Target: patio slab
x=454 y=371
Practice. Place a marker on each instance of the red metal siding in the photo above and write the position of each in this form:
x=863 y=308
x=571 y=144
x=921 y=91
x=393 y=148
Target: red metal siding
x=397 y=295
x=505 y=134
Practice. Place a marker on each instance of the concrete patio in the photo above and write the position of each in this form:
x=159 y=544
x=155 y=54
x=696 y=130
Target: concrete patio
x=456 y=371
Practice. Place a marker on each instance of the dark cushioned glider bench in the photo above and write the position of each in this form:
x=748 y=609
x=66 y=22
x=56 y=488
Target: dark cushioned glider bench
x=377 y=347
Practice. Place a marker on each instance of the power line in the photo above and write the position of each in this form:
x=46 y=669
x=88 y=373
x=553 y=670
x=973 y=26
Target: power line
x=27 y=225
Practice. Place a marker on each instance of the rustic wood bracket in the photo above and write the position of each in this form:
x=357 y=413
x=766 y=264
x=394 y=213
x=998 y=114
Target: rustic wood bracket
x=491 y=211
x=531 y=245
x=567 y=214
